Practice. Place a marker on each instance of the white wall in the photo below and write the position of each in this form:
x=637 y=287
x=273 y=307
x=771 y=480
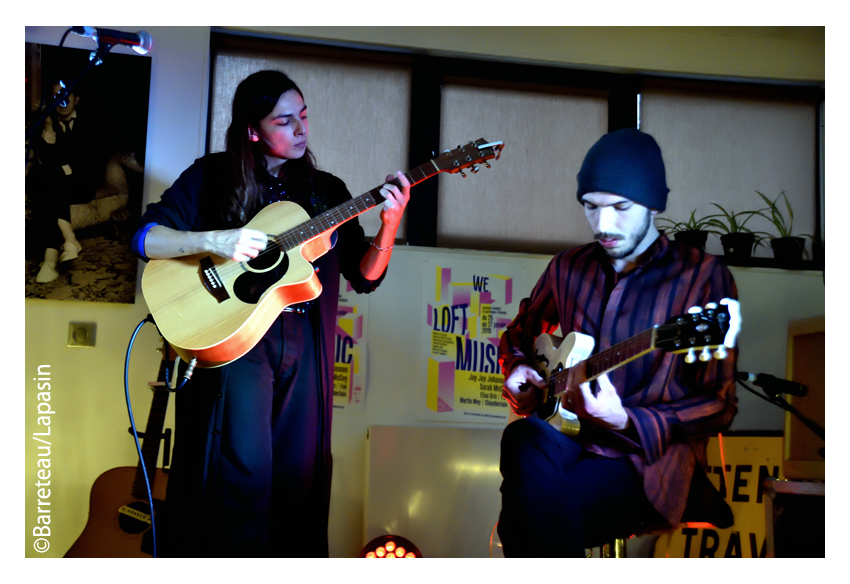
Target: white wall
x=89 y=428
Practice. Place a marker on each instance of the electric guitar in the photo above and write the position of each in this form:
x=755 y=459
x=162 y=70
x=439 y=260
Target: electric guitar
x=119 y=524
x=215 y=310
x=702 y=334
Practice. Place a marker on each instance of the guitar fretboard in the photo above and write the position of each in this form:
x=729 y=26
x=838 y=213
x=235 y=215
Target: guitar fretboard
x=151 y=441
x=332 y=218
x=606 y=360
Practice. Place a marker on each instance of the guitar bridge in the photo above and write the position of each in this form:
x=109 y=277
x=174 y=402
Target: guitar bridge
x=212 y=281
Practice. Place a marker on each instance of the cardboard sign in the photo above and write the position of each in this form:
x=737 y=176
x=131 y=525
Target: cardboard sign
x=748 y=460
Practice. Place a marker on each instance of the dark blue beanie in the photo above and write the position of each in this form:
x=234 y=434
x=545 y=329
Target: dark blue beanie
x=626 y=163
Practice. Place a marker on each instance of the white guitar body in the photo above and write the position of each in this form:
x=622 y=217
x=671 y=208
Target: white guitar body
x=701 y=334
x=553 y=354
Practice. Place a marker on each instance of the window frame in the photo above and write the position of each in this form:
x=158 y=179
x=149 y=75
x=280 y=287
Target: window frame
x=431 y=72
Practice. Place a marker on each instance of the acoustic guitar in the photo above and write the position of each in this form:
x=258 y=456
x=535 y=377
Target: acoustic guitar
x=702 y=334
x=215 y=310
x=119 y=524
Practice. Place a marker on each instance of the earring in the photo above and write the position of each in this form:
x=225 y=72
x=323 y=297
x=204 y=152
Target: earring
x=252 y=135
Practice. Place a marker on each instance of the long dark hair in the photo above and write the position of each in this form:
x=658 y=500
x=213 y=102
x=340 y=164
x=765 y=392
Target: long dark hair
x=256 y=96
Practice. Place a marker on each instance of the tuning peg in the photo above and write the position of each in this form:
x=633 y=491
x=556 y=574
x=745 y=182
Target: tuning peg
x=690 y=357
x=695 y=313
x=720 y=352
x=705 y=355
x=487 y=164
x=474 y=168
x=463 y=174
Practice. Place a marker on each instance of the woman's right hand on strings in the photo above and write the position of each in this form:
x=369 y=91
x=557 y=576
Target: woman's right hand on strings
x=518 y=392
x=239 y=245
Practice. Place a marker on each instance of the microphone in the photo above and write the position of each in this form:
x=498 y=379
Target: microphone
x=773 y=385
x=140 y=41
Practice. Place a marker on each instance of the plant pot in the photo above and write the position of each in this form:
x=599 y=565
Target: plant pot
x=738 y=246
x=788 y=250
x=694 y=238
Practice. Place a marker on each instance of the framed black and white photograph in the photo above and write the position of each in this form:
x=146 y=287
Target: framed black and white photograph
x=85 y=156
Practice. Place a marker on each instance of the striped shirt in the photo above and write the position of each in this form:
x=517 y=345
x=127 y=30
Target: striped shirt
x=673 y=406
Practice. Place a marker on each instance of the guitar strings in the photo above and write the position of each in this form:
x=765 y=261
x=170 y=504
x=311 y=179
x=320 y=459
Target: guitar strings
x=292 y=238
x=636 y=343
x=612 y=356
x=288 y=240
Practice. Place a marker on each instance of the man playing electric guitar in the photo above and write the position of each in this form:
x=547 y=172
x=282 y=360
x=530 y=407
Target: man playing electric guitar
x=644 y=426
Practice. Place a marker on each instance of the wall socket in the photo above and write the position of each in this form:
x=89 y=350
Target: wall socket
x=81 y=334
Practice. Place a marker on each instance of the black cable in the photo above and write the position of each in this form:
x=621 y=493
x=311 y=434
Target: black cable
x=64 y=36
x=781 y=403
x=757 y=394
x=133 y=426
x=186 y=376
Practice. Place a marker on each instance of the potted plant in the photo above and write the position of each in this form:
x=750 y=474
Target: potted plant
x=692 y=232
x=787 y=248
x=738 y=241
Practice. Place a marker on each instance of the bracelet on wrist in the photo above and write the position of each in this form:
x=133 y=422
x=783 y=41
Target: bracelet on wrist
x=376 y=246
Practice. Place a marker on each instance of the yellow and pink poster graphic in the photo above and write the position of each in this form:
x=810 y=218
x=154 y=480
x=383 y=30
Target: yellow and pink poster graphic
x=350 y=350
x=467 y=307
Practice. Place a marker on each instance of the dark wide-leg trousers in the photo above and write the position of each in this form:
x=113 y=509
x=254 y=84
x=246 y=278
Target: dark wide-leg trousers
x=250 y=476
x=558 y=499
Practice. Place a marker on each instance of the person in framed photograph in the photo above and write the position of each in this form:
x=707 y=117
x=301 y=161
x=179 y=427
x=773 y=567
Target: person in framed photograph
x=66 y=162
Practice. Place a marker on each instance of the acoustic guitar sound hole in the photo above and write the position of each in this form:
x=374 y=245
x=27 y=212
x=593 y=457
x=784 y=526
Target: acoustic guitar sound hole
x=266 y=259
x=250 y=286
x=134 y=518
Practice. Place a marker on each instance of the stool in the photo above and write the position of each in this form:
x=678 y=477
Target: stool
x=705 y=508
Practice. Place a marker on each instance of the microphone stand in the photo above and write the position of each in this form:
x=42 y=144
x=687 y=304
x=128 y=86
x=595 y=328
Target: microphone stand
x=95 y=58
x=779 y=401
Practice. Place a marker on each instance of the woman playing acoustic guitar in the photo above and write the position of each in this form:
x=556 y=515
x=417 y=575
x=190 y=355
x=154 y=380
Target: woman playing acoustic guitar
x=251 y=472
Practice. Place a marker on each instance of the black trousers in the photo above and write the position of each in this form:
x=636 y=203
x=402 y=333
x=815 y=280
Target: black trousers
x=250 y=476
x=51 y=193
x=49 y=201
x=558 y=499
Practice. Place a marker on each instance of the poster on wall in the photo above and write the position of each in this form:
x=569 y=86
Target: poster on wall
x=84 y=172
x=350 y=350
x=468 y=304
